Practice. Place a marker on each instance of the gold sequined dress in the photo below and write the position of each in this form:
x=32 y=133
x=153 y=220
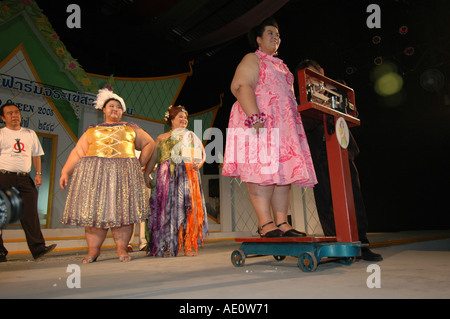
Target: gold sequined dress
x=107 y=187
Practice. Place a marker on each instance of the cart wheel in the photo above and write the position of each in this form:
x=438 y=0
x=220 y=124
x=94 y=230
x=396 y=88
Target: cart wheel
x=279 y=258
x=307 y=262
x=238 y=258
x=347 y=260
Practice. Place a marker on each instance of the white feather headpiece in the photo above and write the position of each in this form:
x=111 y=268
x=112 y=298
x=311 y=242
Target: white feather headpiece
x=104 y=95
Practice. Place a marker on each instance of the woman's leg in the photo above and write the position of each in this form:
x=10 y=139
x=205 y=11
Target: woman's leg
x=122 y=237
x=94 y=238
x=260 y=197
x=280 y=207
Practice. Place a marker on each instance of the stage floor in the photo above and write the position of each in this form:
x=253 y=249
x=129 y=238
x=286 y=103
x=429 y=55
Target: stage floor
x=415 y=265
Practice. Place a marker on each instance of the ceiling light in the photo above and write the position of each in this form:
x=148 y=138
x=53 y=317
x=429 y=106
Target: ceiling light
x=376 y=39
x=403 y=30
x=409 y=51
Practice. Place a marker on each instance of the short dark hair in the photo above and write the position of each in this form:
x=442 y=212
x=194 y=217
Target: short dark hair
x=8 y=103
x=259 y=30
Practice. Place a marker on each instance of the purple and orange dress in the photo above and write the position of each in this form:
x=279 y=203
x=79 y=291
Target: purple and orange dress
x=178 y=211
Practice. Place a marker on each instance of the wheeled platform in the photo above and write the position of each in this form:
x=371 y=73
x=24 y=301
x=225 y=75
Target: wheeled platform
x=308 y=250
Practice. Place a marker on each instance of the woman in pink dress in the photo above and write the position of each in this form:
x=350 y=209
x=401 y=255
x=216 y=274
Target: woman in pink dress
x=266 y=143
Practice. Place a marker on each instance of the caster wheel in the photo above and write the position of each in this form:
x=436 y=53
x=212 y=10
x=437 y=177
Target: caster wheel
x=347 y=260
x=307 y=262
x=238 y=258
x=279 y=258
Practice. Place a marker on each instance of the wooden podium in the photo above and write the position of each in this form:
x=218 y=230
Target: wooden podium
x=338 y=162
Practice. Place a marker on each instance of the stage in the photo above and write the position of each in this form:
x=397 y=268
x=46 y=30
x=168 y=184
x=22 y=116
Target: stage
x=415 y=265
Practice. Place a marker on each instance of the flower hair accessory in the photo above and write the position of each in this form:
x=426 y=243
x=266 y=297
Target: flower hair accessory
x=167 y=114
x=255 y=118
x=105 y=95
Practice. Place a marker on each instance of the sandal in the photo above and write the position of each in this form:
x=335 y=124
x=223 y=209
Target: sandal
x=270 y=234
x=190 y=253
x=292 y=232
x=124 y=258
x=89 y=259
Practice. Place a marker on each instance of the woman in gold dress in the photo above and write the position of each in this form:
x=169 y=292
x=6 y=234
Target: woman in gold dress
x=178 y=219
x=107 y=189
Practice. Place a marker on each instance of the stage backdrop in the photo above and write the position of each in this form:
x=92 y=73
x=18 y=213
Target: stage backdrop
x=55 y=95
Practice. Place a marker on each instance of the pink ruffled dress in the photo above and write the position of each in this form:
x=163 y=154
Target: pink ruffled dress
x=280 y=154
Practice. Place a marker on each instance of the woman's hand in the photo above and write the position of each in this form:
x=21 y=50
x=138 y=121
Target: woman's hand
x=148 y=180
x=63 y=181
x=258 y=127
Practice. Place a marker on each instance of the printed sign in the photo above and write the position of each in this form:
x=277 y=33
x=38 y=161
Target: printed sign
x=342 y=133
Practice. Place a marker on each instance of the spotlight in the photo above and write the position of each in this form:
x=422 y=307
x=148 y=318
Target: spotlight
x=409 y=51
x=389 y=84
x=350 y=70
x=376 y=39
x=403 y=30
x=378 y=60
x=387 y=80
x=432 y=80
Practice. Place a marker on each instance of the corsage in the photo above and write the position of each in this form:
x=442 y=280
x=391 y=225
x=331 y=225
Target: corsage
x=254 y=119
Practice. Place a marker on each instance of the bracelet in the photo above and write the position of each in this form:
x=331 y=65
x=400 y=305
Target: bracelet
x=38 y=173
x=254 y=119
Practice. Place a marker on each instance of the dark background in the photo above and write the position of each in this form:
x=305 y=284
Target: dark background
x=404 y=139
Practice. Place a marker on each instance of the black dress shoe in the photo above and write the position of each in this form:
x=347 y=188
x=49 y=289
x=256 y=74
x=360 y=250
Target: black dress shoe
x=3 y=257
x=292 y=232
x=46 y=250
x=367 y=254
x=270 y=234
x=273 y=234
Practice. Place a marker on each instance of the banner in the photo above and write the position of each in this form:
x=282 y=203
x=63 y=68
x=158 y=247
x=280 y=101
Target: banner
x=32 y=87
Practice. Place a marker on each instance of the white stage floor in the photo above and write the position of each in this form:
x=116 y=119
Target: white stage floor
x=411 y=269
